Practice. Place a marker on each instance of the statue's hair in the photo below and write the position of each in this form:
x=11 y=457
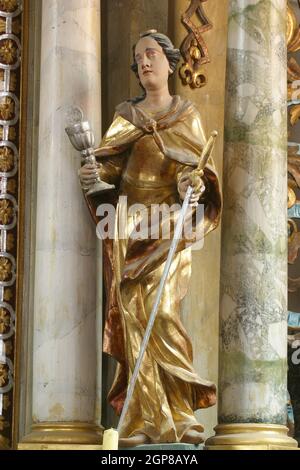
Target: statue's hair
x=172 y=54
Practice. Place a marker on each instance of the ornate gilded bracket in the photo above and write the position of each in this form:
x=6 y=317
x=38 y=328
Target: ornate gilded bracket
x=194 y=49
x=293 y=45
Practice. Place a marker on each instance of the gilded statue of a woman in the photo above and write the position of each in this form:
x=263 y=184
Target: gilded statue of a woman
x=148 y=153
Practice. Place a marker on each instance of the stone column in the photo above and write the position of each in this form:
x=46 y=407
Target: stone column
x=253 y=306
x=64 y=356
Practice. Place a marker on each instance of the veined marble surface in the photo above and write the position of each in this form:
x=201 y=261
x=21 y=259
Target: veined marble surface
x=254 y=241
x=64 y=358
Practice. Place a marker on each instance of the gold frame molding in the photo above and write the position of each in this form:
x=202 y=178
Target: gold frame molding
x=13 y=67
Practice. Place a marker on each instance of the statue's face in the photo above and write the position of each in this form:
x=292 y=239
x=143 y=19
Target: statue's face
x=153 y=65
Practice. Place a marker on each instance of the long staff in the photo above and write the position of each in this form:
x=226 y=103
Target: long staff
x=111 y=435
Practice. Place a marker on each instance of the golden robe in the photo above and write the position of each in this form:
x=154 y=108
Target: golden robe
x=143 y=156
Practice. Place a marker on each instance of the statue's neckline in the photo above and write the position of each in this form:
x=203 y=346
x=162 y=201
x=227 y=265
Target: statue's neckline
x=163 y=111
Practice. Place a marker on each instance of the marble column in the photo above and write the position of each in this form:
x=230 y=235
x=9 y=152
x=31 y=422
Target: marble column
x=253 y=306
x=64 y=343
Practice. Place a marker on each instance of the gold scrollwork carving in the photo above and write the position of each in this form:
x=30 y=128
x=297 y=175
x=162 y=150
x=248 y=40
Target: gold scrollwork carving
x=293 y=30
x=194 y=49
x=291 y=198
x=12 y=134
x=6 y=159
x=5 y=269
x=4 y=320
x=294 y=114
x=6 y=212
x=4 y=371
x=8 y=51
x=293 y=45
x=9 y=6
x=7 y=108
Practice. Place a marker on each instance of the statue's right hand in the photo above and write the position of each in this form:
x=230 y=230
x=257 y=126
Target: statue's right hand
x=88 y=175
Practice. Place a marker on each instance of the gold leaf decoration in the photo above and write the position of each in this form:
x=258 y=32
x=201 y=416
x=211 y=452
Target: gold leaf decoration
x=3 y=425
x=10 y=242
x=12 y=81
x=293 y=69
x=294 y=167
x=6 y=159
x=292 y=25
x=12 y=135
x=6 y=212
x=7 y=108
x=6 y=402
x=9 y=6
x=4 y=320
x=3 y=375
x=5 y=269
x=294 y=114
x=8 y=294
x=291 y=198
x=8 y=348
x=11 y=186
x=194 y=49
x=16 y=26
x=9 y=51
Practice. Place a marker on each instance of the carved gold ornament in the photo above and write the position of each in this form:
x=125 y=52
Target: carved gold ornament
x=11 y=186
x=10 y=242
x=4 y=320
x=293 y=45
x=16 y=26
x=5 y=269
x=3 y=424
x=12 y=134
x=291 y=198
x=6 y=402
x=6 y=212
x=8 y=294
x=7 y=108
x=8 y=348
x=12 y=81
x=292 y=31
x=6 y=159
x=9 y=6
x=194 y=49
x=3 y=375
x=294 y=167
x=294 y=114
x=9 y=51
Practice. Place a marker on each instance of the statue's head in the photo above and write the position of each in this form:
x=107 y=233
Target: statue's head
x=154 y=59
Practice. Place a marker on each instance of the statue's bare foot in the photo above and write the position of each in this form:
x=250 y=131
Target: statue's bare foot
x=193 y=437
x=133 y=441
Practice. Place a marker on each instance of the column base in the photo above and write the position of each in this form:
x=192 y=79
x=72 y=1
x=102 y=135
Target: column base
x=64 y=436
x=36 y=446
x=251 y=436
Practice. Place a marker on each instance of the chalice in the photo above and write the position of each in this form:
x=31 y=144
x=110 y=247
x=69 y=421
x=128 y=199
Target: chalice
x=82 y=138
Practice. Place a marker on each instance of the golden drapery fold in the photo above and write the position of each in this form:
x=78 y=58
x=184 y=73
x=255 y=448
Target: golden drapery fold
x=144 y=156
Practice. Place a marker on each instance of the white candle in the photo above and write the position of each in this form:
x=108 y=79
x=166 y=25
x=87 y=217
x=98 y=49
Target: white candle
x=110 y=440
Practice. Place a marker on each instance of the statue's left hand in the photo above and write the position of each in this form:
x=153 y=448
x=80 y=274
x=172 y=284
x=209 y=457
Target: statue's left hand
x=188 y=180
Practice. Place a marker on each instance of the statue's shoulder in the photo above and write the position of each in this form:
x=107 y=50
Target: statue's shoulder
x=124 y=110
x=191 y=107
